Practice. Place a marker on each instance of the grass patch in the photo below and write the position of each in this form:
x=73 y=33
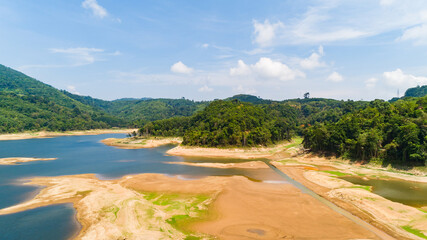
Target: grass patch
x=83 y=193
x=337 y=173
x=414 y=231
x=367 y=188
x=184 y=208
x=296 y=141
x=111 y=209
x=422 y=210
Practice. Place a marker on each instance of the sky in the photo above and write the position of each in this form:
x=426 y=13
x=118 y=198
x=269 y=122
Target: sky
x=204 y=50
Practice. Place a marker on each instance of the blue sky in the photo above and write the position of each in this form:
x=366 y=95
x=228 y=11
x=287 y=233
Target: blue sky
x=202 y=50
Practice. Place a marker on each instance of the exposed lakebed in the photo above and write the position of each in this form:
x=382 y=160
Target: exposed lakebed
x=85 y=154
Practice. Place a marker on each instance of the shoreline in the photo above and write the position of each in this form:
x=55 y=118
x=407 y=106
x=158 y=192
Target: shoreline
x=321 y=176
x=47 y=134
x=149 y=204
x=284 y=149
x=138 y=143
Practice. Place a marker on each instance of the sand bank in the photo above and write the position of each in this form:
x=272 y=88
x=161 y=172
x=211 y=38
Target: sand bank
x=16 y=160
x=152 y=206
x=250 y=165
x=45 y=134
x=285 y=149
x=135 y=143
x=390 y=216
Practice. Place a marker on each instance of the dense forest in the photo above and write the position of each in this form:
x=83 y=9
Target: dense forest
x=383 y=132
x=377 y=131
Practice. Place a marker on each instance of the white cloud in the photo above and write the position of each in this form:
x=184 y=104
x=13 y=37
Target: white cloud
x=386 y=2
x=335 y=77
x=330 y=21
x=243 y=90
x=81 y=56
x=241 y=69
x=416 y=34
x=180 y=67
x=96 y=9
x=205 y=88
x=265 y=32
x=398 y=78
x=266 y=68
x=72 y=89
x=371 y=83
x=321 y=51
x=205 y=45
x=314 y=60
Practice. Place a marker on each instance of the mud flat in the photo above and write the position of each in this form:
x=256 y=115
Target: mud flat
x=17 y=160
x=154 y=206
x=46 y=134
x=136 y=143
x=322 y=176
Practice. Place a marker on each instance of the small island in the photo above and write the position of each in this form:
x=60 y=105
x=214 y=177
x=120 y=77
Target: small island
x=17 y=160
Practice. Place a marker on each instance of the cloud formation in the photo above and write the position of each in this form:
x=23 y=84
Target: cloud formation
x=398 y=78
x=266 y=68
x=80 y=55
x=72 y=89
x=205 y=88
x=328 y=21
x=180 y=67
x=97 y=10
x=264 y=33
x=314 y=60
x=335 y=77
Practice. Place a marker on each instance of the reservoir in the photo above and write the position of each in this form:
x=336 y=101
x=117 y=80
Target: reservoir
x=79 y=155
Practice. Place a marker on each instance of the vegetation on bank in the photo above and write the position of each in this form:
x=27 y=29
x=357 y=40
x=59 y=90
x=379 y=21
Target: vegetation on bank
x=384 y=132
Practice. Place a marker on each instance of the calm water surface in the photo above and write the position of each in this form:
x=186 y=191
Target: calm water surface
x=78 y=155
x=406 y=192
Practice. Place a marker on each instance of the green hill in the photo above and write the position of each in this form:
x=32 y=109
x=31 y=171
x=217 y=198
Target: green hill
x=28 y=104
x=416 y=91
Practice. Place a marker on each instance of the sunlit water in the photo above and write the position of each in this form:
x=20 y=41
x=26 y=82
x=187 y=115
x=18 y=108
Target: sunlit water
x=406 y=192
x=85 y=154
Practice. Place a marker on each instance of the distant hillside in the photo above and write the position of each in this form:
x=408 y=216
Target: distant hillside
x=28 y=104
x=250 y=99
x=416 y=91
x=139 y=111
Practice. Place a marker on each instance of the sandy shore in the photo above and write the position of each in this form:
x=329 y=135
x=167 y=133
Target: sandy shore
x=16 y=160
x=45 y=134
x=390 y=216
x=152 y=206
x=282 y=150
x=248 y=165
x=136 y=143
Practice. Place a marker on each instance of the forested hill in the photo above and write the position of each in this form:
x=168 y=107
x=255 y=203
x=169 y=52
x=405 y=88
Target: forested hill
x=28 y=104
x=137 y=112
x=419 y=91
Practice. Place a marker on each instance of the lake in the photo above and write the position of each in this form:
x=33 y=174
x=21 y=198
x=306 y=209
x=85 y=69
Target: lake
x=85 y=154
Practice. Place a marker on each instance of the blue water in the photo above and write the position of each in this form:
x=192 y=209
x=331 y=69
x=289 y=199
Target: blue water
x=78 y=155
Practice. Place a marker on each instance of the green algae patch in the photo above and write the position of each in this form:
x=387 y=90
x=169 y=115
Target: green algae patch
x=337 y=173
x=367 y=188
x=184 y=209
x=414 y=231
x=83 y=193
x=113 y=209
